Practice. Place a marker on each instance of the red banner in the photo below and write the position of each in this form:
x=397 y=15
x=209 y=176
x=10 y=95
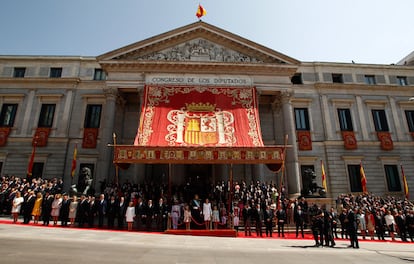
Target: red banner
x=304 y=140
x=4 y=134
x=41 y=136
x=90 y=137
x=200 y=155
x=350 y=141
x=199 y=116
x=386 y=140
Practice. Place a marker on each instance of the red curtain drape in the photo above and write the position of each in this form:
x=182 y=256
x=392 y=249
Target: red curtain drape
x=199 y=116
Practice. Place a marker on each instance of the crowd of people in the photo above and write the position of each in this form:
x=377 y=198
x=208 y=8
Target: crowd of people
x=257 y=206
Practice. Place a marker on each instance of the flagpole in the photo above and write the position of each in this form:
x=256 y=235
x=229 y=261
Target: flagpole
x=116 y=166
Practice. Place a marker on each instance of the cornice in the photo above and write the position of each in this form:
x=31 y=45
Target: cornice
x=199 y=67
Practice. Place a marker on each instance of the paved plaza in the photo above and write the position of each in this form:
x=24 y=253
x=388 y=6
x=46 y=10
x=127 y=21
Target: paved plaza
x=36 y=244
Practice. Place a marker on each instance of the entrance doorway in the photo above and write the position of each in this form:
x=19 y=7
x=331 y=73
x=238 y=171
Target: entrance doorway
x=199 y=177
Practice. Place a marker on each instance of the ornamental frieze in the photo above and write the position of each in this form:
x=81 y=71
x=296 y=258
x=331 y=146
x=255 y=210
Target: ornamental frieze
x=199 y=50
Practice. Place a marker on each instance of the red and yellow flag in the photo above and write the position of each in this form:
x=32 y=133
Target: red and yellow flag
x=75 y=153
x=31 y=162
x=363 y=178
x=200 y=11
x=406 y=192
x=324 y=185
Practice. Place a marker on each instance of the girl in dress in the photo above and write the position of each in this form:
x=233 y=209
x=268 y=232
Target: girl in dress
x=175 y=214
x=370 y=224
x=130 y=215
x=187 y=217
x=207 y=213
x=16 y=206
x=216 y=216
x=56 y=204
x=236 y=217
x=73 y=207
x=37 y=208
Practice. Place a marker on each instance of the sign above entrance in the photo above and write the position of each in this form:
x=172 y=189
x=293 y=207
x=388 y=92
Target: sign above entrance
x=198 y=155
x=185 y=79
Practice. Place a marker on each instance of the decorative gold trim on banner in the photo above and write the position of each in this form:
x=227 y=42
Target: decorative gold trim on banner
x=203 y=155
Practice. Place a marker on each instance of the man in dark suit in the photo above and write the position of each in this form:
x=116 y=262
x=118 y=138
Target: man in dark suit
x=28 y=204
x=47 y=208
x=82 y=211
x=327 y=227
x=150 y=211
x=281 y=221
x=140 y=214
x=268 y=215
x=92 y=210
x=121 y=210
x=64 y=210
x=247 y=218
x=258 y=218
x=353 y=227
x=112 y=208
x=101 y=209
x=299 y=219
x=161 y=215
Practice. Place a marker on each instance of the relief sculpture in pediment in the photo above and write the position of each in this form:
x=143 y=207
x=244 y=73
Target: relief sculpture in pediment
x=199 y=50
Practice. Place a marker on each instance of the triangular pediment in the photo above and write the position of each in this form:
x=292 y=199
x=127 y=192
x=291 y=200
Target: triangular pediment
x=198 y=42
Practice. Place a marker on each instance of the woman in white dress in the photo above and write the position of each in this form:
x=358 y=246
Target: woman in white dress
x=130 y=215
x=73 y=207
x=56 y=204
x=16 y=206
x=207 y=212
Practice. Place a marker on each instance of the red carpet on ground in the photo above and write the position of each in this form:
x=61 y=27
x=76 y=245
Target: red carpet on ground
x=199 y=232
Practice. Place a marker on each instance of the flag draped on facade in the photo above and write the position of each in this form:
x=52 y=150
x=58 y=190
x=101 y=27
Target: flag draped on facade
x=363 y=178
x=406 y=191
x=73 y=169
x=200 y=11
x=324 y=185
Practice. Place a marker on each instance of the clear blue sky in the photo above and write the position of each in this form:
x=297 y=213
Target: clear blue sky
x=366 y=31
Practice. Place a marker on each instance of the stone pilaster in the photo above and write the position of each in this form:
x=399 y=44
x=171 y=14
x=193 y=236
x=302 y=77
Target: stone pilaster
x=291 y=160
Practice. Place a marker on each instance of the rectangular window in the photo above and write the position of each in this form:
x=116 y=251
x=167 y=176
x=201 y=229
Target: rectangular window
x=93 y=116
x=393 y=178
x=7 y=115
x=297 y=78
x=46 y=115
x=302 y=119
x=99 y=75
x=345 y=121
x=409 y=114
x=370 y=79
x=380 y=120
x=355 y=178
x=19 y=72
x=337 y=78
x=402 y=80
x=55 y=72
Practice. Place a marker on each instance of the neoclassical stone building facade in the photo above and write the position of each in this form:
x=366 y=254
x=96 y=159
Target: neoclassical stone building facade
x=335 y=115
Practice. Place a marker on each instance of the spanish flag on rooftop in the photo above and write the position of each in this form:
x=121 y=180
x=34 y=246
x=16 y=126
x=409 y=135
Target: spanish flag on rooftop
x=200 y=11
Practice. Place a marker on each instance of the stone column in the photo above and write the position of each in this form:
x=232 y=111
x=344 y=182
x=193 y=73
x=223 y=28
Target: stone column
x=105 y=169
x=292 y=172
